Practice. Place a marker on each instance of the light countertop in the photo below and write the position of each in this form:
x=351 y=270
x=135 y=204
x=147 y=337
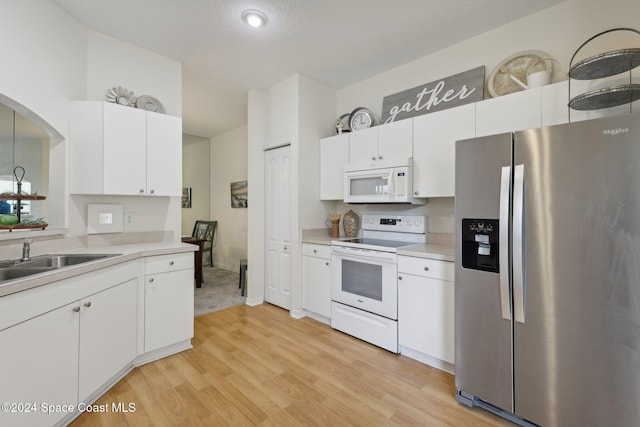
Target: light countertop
x=124 y=253
x=442 y=252
x=440 y=247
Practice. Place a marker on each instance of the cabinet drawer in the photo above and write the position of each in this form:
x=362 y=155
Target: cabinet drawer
x=426 y=267
x=166 y=263
x=319 y=251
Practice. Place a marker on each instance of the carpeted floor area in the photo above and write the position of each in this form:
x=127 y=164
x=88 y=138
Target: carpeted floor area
x=219 y=290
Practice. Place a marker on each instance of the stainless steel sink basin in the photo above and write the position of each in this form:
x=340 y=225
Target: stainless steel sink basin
x=58 y=261
x=10 y=273
x=10 y=270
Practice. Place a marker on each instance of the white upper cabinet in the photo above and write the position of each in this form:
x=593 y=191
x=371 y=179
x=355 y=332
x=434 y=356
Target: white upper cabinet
x=124 y=151
x=395 y=142
x=509 y=113
x=434 y=149
x=384 y=145
x=164 y=155
x=334 y=155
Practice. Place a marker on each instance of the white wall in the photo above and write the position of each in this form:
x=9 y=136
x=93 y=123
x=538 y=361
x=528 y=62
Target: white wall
x=557 y=31
x=257 y=116
x=50 y=59
x=196 y=162
x=297 y=111
x=112 y=63
x=229 y=164
x=44 y=59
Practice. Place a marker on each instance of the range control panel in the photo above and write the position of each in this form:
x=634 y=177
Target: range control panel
x=399 y=223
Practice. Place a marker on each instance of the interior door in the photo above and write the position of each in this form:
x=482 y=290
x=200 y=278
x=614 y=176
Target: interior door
x=278 y=227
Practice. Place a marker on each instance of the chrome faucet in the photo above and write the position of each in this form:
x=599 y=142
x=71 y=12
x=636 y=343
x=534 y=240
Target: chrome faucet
x=26 y=248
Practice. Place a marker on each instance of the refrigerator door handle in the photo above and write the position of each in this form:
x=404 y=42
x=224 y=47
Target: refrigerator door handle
x=518 y=244
x=505 y=184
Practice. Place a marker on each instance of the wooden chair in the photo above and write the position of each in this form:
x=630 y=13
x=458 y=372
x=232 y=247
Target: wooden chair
x=205 y=230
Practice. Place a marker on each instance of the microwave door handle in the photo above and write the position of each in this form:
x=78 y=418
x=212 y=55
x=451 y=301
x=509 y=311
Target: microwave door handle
x=505 y=187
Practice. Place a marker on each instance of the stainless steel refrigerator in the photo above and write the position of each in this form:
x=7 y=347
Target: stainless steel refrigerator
x=547 y=277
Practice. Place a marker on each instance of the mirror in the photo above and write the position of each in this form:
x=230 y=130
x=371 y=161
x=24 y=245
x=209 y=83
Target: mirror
x=22 y=143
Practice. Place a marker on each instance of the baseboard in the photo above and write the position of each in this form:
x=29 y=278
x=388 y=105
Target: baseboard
x=318 y=317
x=254 y=301
x=80 y=408
x=162 y=352
x=427 y=360
x=297 y=314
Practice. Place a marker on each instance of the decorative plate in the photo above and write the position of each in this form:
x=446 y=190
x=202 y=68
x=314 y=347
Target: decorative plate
x=121 y=95
x=149 y=103
x=517 y=65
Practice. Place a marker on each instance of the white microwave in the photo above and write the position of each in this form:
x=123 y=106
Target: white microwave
x=379 y=185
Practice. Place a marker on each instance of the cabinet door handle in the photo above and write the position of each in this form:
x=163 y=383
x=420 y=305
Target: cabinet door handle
x=415 y=193
x=399 y=277
x=87 y=304
x=151 y=280
x=170 y=262
x=426 y=268
x=315 y=251
x=141 y=190
x=153 y=191
x=373 y=158
x=75 y=309
x=379 y=157
x=326 y=263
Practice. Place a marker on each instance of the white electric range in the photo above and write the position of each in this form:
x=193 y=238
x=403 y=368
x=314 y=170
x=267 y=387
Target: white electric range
x=364 y=287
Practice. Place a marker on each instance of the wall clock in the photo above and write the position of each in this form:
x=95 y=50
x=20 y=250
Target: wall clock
x=518 y=65
x=361 y=118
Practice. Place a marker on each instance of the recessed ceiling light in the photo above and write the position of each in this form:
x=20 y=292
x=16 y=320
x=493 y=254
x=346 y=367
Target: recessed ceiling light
x=255 y=18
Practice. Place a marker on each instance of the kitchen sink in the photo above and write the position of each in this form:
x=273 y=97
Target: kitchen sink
x=10 y=273
x=58 y=261
x=10 y=270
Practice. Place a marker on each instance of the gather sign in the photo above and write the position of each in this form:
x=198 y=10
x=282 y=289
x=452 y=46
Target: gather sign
x=449 y=92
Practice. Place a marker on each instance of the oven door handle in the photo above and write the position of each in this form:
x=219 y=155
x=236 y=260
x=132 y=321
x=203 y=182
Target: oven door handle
x=363 y=253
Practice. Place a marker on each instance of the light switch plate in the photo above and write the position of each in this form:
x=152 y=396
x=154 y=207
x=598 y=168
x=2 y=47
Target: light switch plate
x=105 y=219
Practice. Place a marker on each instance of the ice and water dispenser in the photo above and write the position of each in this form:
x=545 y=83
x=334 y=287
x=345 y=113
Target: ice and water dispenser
x=480 y=244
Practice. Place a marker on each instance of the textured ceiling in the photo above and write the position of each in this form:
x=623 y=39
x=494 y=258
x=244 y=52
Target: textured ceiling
x=337 y=42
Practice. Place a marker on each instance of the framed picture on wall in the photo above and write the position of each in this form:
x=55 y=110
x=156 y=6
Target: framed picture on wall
x=239 y=194
x=186 y=197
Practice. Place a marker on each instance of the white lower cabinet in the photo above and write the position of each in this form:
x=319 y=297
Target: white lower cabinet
x=425 y=310
x=39 y=364
x=316 y=279
x=56 y=352
x=68 y=342
x=168 y=306
x=107 y=327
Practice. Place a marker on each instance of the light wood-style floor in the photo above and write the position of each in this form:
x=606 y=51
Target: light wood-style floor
x=258 y=366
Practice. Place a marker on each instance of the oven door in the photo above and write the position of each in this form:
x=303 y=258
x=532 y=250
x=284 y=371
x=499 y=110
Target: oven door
x=365 y=279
